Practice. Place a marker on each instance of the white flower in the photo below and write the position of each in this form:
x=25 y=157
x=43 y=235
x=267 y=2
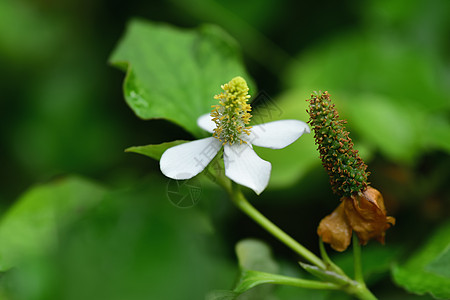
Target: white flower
x=227 y=122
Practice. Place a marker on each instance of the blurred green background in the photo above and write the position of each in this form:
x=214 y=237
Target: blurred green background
x=62 y=111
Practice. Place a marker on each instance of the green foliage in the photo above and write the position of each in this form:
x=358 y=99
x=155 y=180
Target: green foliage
x=133 y=245
x=390 y=92
x=221 y=295
x=441 y=265
x=288 y=292
x=53 y=84
x=253 y=256
x=385 y=63
x=386 y=124
x=41 y=33
x=427 y=270
x=154 y=151
x=251 y=281
x=376 y=260
x=173 y=73
x=31 y=226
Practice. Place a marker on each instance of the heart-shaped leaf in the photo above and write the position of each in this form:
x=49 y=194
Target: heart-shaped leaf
x=174 y=73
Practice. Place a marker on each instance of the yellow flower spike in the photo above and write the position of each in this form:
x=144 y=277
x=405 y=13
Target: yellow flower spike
x=232 y=115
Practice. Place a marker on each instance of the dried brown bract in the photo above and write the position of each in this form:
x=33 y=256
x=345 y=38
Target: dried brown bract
x=364 y=213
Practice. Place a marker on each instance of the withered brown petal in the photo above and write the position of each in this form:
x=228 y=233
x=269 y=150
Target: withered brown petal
x=366 y=215
x=334 y=229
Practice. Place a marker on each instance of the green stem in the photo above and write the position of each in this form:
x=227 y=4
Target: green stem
x=263 y=277
x=360 y=290
x=330 y=265
x=357 y=260
x=356 y=288
x=242 y=203
x=303 y=283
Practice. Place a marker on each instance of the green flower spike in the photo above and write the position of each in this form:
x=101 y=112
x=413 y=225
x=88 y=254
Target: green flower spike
x=362 y=207
x=346 y=169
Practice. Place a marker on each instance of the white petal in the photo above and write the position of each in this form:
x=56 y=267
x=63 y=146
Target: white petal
x=187 y=160
x=244 y=166
x=277 y=134
x=206 y=123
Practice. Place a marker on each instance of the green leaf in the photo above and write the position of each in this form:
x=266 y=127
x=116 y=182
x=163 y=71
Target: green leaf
x=251 y=279
x=397 y=130
x=134 y=245
x=31 y=225
x=438 y=129
x=252 y=255
x=174 y=73
x=255 y=255
x=441 y=265
x=391 y=68
x=427 y=270
x=222 y=295
x=154 y=151
x=390 y=101
x=252 y=285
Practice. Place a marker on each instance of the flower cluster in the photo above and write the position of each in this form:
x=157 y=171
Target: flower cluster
x=228 y=123
x=362 y=207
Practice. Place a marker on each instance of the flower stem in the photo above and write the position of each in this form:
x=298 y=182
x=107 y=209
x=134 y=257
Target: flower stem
x=263 y=277
x=357 y=260
x=360 y=290
x=355 y=287
x=330 y=265
x=242 y=203
x=304 y=283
